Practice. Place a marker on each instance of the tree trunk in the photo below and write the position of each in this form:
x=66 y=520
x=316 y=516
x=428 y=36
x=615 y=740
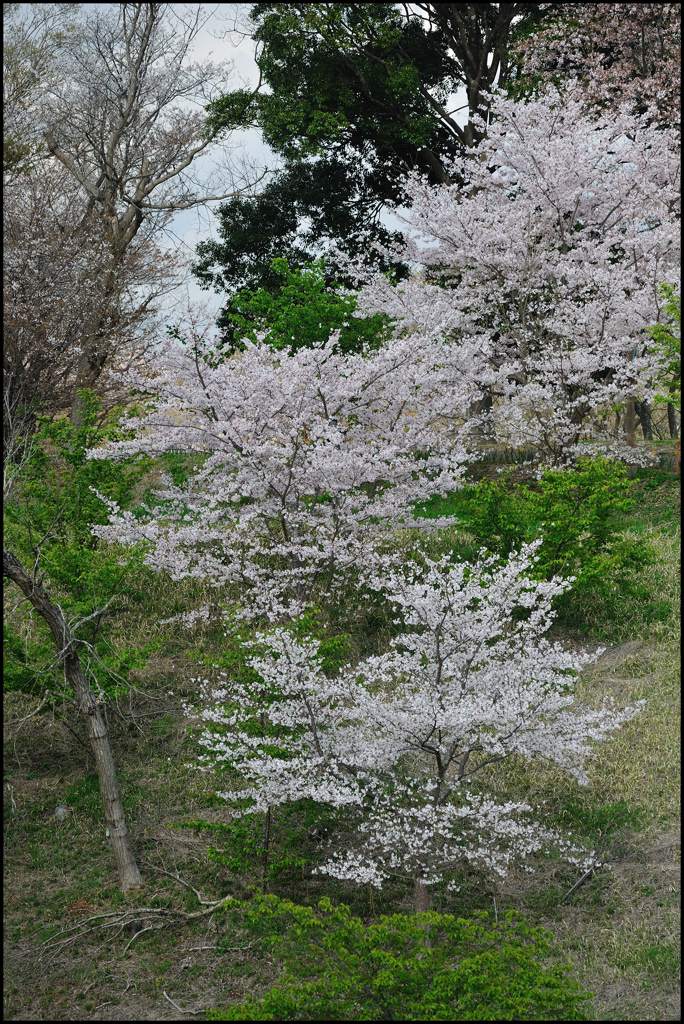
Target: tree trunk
x=629 y=421
x=98 y=339
x=672 y=420
x=264 y=862
x=90 y=367
x=129 y=875
x=421 y=895
x=644 y=410
x=482 y=410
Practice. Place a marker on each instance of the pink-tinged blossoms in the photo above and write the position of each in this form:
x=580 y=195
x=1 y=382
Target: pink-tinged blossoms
x=542 y=267
x=406 y=738
x=305 y=462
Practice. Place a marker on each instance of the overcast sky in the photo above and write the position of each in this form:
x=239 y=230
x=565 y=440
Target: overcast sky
x=190 y=226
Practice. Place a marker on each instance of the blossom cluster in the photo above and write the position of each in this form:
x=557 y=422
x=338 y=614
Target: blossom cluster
x=305 y=461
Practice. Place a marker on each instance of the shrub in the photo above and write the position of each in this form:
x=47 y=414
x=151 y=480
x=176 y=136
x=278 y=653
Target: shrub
x=578 y=513
x=424 y=967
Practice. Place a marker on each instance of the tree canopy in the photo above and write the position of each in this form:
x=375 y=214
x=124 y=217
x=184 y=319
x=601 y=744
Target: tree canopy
x=359 y=94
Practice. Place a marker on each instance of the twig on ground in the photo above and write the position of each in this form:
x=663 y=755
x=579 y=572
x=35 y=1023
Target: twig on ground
x=10 y=790
x=150 y=928
x=582 y=880
x=180 y=1008
x=122 y=918
x=178 y=879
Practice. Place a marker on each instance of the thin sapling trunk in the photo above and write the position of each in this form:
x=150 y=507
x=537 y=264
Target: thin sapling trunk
x=129 y=875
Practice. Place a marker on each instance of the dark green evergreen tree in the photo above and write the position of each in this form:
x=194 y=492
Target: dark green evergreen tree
x=358 y=96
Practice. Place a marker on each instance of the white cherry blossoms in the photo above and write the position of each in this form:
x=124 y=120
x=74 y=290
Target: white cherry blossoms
x=305 y=463
x=405 y=739
x=542 y=263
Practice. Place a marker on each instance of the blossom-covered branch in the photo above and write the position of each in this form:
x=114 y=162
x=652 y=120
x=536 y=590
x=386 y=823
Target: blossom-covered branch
x=543 y=269
x=307 y=460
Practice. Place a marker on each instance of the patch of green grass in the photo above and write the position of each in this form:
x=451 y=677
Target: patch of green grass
x=584 y=815
x=84 y=797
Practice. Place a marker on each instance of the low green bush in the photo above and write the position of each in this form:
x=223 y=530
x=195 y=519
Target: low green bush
x=578 y=513
x=420 y=967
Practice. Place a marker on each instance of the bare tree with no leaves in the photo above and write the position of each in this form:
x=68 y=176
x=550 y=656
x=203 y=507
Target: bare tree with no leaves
x=55 y=255
x=118 y=119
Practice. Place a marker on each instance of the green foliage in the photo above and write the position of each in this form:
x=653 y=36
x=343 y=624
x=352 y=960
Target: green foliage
x=252 y=233
x=18 y=672
x=50 y=519
x=16 y=156
x=423 y=967
x=522 y=85
x=667 y=343
x=273 y=851
x=578 y=513
x=583 y=816
x=302 y=312
x=58 y=484
x=84 y=797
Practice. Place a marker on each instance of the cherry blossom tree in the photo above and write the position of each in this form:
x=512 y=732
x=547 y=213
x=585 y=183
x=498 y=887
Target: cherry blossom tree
x=544 y=269
x=623 y=53
x=405 y=738
x=306 y=461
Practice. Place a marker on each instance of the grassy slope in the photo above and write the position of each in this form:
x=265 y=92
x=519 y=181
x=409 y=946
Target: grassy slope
x=619 y=929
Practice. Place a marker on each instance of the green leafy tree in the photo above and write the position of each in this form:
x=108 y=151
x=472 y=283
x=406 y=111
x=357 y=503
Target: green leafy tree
x=48 y=522
x=358 y=95
x=667 y=342
x=48 y=515
x=303 y=311
x=424 y=967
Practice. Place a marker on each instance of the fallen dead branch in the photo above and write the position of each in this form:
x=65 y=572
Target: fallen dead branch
x=180 y=1008
x=151 y=918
